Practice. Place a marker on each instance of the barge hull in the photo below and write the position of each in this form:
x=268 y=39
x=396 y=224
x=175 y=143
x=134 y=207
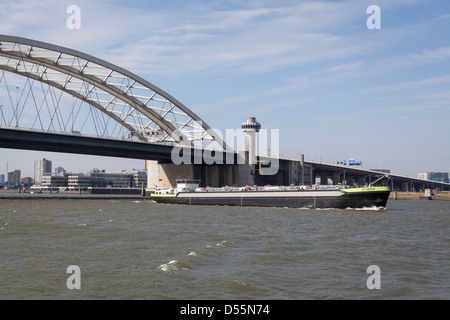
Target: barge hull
x=299 y=199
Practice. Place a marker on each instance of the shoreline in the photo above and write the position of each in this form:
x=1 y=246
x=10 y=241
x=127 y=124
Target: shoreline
x=15 y=195
x=405 y=195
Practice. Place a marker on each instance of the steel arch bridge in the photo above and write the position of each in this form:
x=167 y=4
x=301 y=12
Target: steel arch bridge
x=120 y=103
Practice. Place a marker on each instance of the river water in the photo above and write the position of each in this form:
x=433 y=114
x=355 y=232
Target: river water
x=136 y=249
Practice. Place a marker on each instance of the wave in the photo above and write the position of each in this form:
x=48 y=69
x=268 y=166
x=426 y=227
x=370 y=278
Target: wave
x=173 y=266
x=240 y=283
x=194 y=254
x=222 y=244
x=372 y=208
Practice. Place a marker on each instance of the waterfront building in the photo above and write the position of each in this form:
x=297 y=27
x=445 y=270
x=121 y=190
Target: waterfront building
x=79 y=180
x=41 y=167
x=434 y=176
x=438 y=176
x=59 y=170
x=102 y=179
x=2 y=178
x=54 y=181
x=27 y=181
x=423 y=176
x=14 y=177
x=140 y=178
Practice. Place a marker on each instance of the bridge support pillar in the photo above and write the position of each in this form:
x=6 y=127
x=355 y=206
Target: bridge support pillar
x=294 y=169
x=309 y=171
x=164 y=175
x=216 y=175
x=362 y=181
x=324 y=178
x=336 y=178
x=246 y=175
x=302 y=169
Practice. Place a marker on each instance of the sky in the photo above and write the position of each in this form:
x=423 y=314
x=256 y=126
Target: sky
x=333 y=87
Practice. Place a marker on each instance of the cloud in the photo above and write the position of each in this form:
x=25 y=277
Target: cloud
x=414 y=59
x=255 y=40
x=412 y=86
x=204 y=37
x=256 y=37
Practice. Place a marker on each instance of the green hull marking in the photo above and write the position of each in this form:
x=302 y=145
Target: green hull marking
x=162 y=195
x=366 y=189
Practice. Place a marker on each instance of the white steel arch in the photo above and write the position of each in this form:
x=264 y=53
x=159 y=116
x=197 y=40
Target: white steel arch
x=146 y=111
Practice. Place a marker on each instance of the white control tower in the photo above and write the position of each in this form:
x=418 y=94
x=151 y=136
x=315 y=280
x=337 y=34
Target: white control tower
x=251 y=127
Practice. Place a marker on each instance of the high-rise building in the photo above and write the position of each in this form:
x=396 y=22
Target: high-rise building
x=41 y=167
x=2 y=178
x=14 y=177
x=435 y=176
x=27 y=181
x=438 y=176
x=140 y=179
x=59 y=170
x=424 y=176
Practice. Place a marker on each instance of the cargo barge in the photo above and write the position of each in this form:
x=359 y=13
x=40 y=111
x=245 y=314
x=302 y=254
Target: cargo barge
x=315 y=197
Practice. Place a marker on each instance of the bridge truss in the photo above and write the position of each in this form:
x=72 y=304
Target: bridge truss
x=72 y=92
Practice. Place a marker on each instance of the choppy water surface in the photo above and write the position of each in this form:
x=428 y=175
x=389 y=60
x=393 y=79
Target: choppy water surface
x=135 y=249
